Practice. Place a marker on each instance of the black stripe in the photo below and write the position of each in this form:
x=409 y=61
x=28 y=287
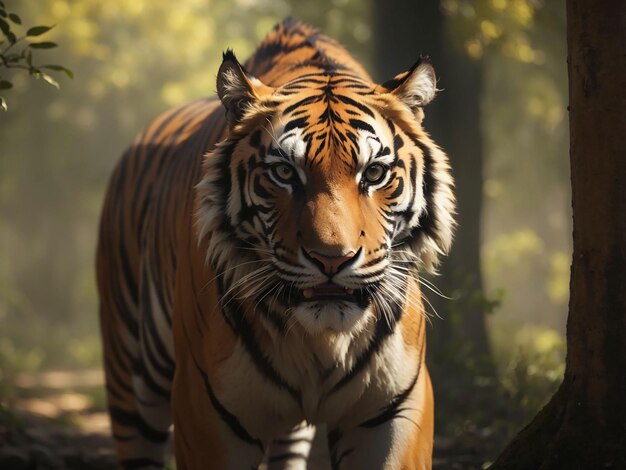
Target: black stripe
x=139 y=369
x=287 y=456
x=129 y=279
x=409 y=212
x=167 y=369
x=259 y=189
x=296 y=123
x=115 y=363
x=374 y=262
x=398 y=143
x=278 y=322
x=393 y=408
x=361 y=125
x=398 y=191
x=413 y=178
x=230 y=419
x=350 y=80
x=355 y=103
x=135 y=420
x=235 y=315
x=246 y=212
x=333 y=437
x=112 y=392
x=305 y=81
x=428 y=219
x=302 y=102
x=336 y=463
x=381 y=333
x=255 y=139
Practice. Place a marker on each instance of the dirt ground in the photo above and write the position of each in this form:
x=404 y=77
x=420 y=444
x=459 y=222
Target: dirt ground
x=57 y=420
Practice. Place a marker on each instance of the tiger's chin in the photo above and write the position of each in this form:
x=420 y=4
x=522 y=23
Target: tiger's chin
x=318 y=317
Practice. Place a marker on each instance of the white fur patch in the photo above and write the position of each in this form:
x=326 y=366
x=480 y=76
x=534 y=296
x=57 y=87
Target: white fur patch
x=370 y=147
x=294 y=147
x=419 y=88
x=343 y=317
x=293 y=144
x=234 y=88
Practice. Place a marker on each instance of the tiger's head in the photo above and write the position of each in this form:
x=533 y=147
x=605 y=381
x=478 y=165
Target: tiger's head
x=326 y=197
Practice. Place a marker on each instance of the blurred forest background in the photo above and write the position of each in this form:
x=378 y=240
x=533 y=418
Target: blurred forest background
x=497 y=345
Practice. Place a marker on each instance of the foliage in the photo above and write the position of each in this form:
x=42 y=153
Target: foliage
x=521 y=47
x=532 y=371
x=526 y=229
x=10 y=58
x=464 y=297
x=503 y=25
x=476 y=408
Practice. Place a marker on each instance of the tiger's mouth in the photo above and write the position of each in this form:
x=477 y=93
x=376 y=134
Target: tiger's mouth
x=331 y=292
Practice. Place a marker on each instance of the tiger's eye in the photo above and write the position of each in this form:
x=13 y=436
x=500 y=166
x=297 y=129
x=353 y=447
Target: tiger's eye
x=374 y=173
x=283 y=172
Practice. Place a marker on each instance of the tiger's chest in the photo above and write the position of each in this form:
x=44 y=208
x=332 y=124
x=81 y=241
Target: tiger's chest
x=316 y=386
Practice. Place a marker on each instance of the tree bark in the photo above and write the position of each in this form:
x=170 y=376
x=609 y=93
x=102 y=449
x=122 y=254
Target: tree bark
x=584 y=424
x=403 y=30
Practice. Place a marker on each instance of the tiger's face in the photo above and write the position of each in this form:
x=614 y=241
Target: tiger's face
x=332 y=185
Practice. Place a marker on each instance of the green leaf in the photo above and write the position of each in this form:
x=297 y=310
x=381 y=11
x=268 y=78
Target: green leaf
x=3 y=13
x=59 y=68
x=15 y=18
x=4 y=27
x=3 y=104
x=43 y=45
x=6 y=30
x=5 y=85
x=38 y=30
x=50 y=80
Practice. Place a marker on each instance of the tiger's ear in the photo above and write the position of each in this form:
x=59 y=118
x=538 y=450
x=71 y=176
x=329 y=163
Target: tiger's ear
x=236 y=89
x=416 y=87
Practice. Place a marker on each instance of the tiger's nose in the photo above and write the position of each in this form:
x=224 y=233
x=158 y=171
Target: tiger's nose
x=331 y=264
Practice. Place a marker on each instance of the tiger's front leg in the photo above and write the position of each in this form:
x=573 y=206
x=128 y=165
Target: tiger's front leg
x=398 y=436
x=291 y=451
x=206 y=434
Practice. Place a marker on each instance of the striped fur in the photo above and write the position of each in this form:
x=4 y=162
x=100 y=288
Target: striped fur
x=216 y=226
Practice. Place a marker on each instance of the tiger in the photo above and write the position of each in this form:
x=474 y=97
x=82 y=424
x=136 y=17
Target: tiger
x=259 y=267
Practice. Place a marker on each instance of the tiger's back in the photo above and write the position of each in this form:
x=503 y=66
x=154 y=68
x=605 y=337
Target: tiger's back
x=148 y=195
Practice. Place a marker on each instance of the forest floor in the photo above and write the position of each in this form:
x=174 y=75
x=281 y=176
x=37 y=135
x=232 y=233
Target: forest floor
x=58 y=420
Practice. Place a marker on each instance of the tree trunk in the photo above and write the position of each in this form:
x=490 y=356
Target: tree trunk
x=403 y=30
x=584 y=424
